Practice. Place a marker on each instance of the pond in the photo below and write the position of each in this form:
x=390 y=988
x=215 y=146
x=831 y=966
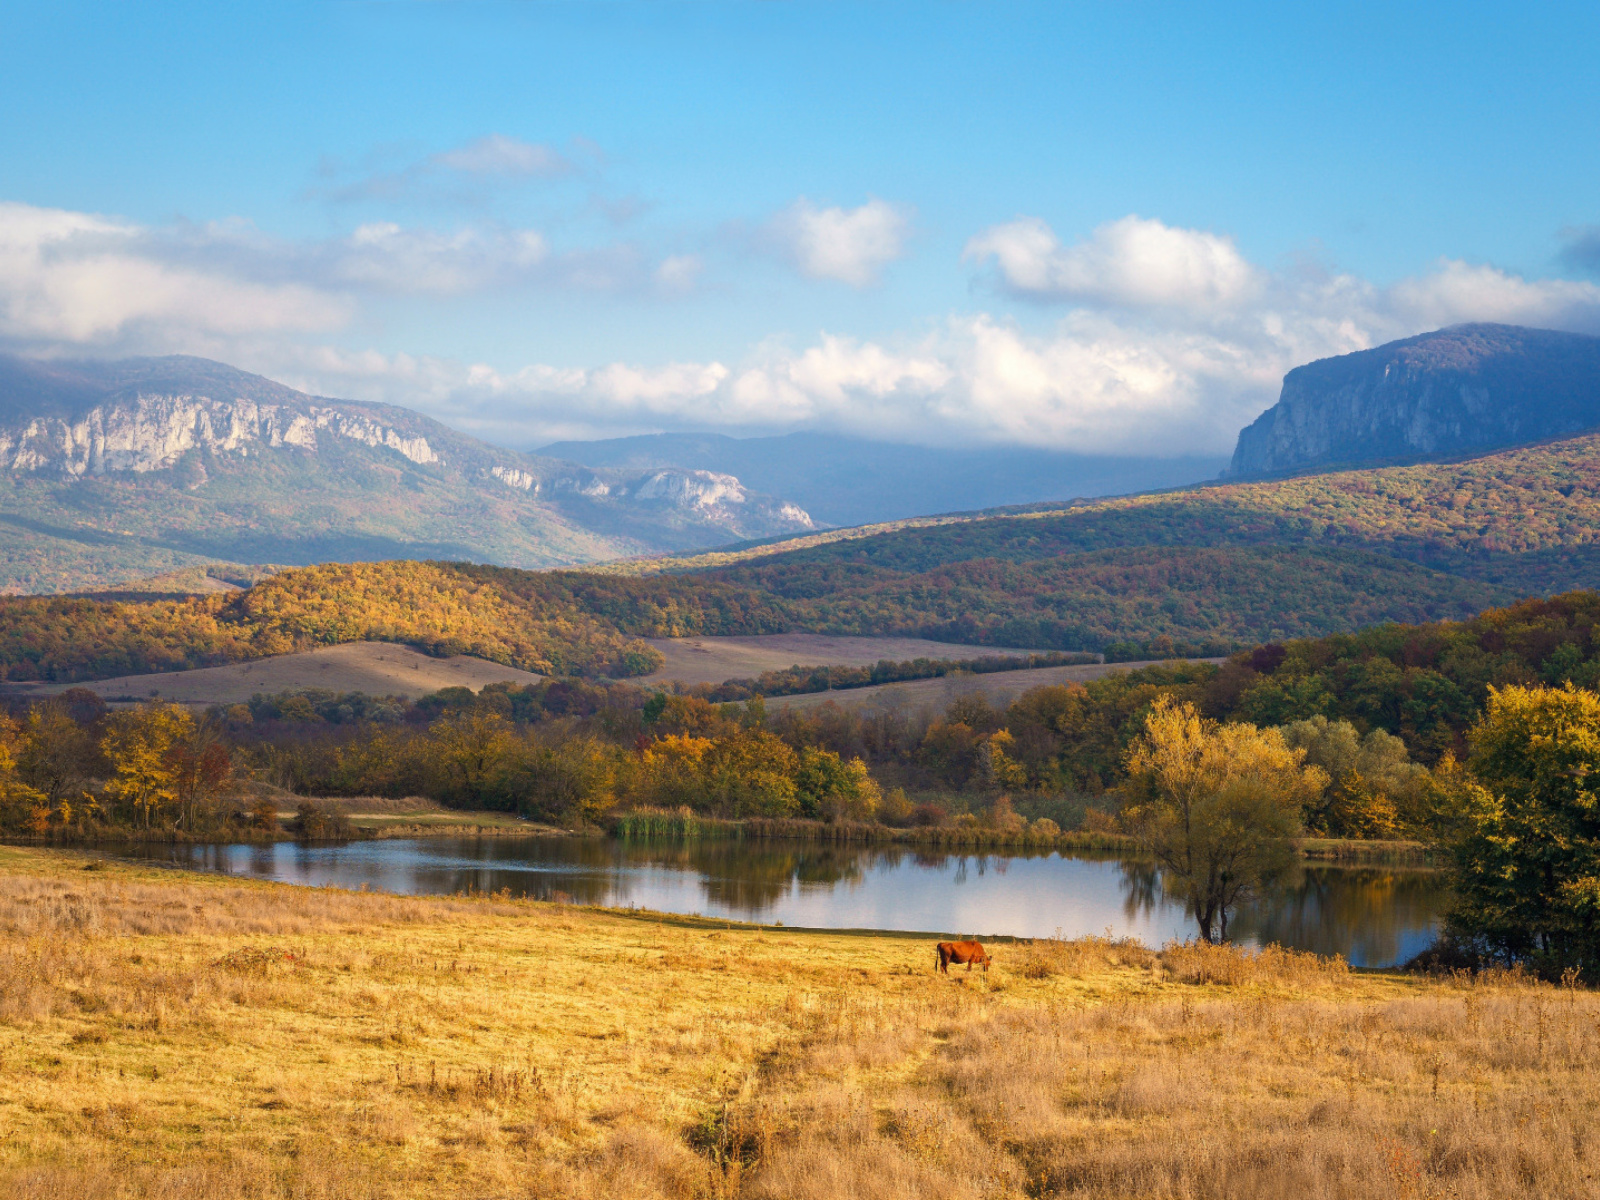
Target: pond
x=1374 y=916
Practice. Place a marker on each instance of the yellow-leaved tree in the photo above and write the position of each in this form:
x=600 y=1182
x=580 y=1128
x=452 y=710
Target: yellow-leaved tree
x=143 y=746
x=1216 y=804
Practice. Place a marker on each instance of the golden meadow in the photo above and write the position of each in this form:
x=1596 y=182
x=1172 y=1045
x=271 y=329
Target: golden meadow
x=169 y=1035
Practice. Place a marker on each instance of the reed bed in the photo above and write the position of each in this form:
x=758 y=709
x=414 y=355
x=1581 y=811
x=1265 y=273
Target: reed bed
x=647 y=823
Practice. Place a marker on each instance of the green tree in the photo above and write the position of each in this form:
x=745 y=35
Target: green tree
x=1372 y=778
x=1216 y=805
x=829 y=787
x=1527 y=857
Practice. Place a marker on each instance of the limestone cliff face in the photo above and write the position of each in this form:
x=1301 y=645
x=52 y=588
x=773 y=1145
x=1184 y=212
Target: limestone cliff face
x=152 y=432
x=1456 y=391
x=213 y=450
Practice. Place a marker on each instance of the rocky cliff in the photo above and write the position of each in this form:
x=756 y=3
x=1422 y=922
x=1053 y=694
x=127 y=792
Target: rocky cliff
x=1456 y=391
x=196 y=458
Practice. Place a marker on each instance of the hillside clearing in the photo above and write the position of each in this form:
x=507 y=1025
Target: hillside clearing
x=1000 y=687
x=377 y=668
x=717 y=659
x=191 y=1036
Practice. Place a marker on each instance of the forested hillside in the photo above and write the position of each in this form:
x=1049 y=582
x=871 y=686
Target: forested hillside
x=560 y=622
x=1199 y=571
x=1230 y=563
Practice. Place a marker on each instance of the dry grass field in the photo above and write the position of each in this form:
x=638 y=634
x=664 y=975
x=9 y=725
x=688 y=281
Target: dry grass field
x=377 y=668
x=1001 y=688
x=180 y=1036
x=717 y=659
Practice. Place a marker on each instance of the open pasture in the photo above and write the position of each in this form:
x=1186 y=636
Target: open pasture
x=1000 y=687
x=717 y=659
x=377 y=668
x=189 y=1036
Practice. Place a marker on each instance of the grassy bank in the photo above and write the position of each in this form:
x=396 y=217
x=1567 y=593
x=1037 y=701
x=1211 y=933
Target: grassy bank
x=185 y=1036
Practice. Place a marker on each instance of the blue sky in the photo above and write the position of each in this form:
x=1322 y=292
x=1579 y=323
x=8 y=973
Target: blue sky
x=1100 y=227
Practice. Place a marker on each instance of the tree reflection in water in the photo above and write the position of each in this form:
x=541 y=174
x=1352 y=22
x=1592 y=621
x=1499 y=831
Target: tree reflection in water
x=1373 y=916
x=1368 y=914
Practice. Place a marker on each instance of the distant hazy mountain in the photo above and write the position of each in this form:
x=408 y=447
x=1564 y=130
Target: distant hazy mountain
x=1461 y=390
x=112 y=470
x=850 y=481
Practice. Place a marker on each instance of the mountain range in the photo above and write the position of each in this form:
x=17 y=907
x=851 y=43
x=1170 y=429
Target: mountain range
x=114 y=470
x=1204 y=567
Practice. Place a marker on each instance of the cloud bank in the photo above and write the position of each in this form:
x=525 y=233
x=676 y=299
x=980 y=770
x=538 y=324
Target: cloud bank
x=1140 y=338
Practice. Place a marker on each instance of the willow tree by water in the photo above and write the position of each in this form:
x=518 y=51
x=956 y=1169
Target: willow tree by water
x=1216 y=804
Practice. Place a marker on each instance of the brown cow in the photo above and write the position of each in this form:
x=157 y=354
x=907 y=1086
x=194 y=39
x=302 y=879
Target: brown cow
x=961 y=952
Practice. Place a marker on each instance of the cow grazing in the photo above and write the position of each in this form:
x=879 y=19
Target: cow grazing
x=961 y=952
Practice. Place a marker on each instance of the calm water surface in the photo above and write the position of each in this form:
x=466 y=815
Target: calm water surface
x=1373 y=916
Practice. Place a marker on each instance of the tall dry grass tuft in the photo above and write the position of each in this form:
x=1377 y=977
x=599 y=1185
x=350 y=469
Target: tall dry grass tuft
x=1234 y=966
x=1043 y=958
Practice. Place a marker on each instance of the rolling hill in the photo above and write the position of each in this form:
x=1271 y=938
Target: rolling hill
x=1202 y=567
x=1197 y=571
x=114 y=470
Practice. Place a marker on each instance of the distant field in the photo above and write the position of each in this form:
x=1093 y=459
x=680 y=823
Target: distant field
x=716 y=659
x=377 y=668
x=387 y=669
x=1001 y=687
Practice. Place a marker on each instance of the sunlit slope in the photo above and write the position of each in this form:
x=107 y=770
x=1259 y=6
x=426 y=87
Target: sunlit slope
x=1243 y=561
x=1198 y=571
x=563 y=623
x=1488 y=517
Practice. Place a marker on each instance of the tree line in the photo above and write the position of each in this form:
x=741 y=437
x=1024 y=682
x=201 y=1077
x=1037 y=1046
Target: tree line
x=1481 y=737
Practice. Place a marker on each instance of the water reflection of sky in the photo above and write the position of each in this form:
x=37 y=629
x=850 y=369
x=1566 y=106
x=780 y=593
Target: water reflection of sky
x=1373 y=916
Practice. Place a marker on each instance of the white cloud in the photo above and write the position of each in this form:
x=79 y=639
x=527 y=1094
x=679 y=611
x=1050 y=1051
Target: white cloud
x=1455 y=292
x=461 y=171
x=1166 y=340
x=1161 y=379
x=79 y=279
x=1132 y=262
x=851 y=245
x=83 y=279
x=385 y=257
